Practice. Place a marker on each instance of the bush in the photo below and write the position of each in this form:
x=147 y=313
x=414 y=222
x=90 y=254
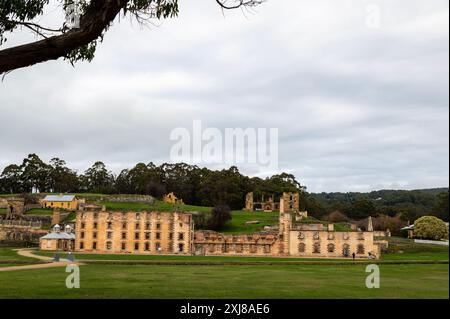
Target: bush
x=337 y=217
x=200 y=220
x=430 y=227
x=384 y=222
x=220 y=215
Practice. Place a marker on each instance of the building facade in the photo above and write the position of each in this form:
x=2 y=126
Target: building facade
x=103 y=231
x=291 y=240
x=171 y=198
x=68 y=202
x=58 y=240
x=172 y=233
x=287 y=202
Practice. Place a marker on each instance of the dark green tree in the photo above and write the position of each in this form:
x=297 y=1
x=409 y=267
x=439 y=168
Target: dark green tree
x=11 y=179
x=97 y=179
x=62 y=178
x=220 y=216
x=35 y=174
x=440 y=208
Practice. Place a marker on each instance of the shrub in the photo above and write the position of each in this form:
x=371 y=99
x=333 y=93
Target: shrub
x=200 y=220
x=430 y=227
x=337 y=217
x=384 y=222
x=220 y=215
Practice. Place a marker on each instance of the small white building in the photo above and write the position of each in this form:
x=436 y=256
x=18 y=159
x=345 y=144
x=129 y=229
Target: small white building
x=58 y=240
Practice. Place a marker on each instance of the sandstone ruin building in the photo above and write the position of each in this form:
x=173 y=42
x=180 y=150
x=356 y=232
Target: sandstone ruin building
x=172 y=233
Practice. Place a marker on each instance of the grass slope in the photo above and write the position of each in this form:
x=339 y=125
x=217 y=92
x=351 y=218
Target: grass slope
x=236 y=226
x=404 y=249
x=9 y=254
x=40 y=212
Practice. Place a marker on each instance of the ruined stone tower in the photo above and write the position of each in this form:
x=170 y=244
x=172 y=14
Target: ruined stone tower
x=249 y=203
x=290 y=203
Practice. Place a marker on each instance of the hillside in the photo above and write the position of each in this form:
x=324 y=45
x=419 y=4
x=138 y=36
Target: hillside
x=409 y=204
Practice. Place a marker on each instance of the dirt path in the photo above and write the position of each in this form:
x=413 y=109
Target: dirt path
x=29 y=253
x=37 y=266
x=48 y=260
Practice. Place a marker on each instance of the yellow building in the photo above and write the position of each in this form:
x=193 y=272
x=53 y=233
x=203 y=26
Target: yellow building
x=68 y=202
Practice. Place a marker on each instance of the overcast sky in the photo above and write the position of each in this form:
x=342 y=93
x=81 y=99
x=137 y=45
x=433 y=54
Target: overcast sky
x=358 y=107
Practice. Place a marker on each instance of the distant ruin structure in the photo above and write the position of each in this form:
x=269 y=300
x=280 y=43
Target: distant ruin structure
x=15 y=208
x=289 y=202
x=171 y=198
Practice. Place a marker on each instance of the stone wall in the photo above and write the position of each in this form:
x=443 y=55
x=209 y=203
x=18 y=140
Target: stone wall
x=210 y=243
x=20 y=232
x=324 y=243
x=146 y=199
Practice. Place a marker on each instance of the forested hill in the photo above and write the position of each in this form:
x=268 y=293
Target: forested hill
x=410 y=204
x=433 y=191
x=205 y=187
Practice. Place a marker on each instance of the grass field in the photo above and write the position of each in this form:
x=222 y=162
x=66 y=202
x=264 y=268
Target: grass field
x=236 y=226
x=342 y=279
x=157 y=206
x=7 y=253
x=40 y=212
x=113 y=281
x=403 y=248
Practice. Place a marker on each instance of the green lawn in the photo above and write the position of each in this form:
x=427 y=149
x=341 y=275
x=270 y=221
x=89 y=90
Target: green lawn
x=133 y=257
x=40 y=212
x=238 y=226
x=403 y=248
x=157 y=206
x=285 y=282
x=2 y=211
x=7 y=253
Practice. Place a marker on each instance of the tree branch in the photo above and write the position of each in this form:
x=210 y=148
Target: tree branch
x=96 y=19
x=239 y=3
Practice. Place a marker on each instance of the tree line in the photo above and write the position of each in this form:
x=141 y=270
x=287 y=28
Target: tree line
x=394 y=205
x=205 y=187
x=195 y=185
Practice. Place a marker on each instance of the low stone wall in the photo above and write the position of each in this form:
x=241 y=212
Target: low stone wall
x=432 y=242
x=131 y=199
x=32 y=206
x=26 y=224
x=382 y=233
x=44 y=220
x=21 y=232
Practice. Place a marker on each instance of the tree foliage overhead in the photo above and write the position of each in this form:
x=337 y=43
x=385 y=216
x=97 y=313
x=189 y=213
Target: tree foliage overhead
x=78 y=42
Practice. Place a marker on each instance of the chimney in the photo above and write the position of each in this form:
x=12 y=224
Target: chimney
x=370 y=224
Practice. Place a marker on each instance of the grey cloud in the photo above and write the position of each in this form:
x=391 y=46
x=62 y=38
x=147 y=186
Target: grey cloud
x=357 y=108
